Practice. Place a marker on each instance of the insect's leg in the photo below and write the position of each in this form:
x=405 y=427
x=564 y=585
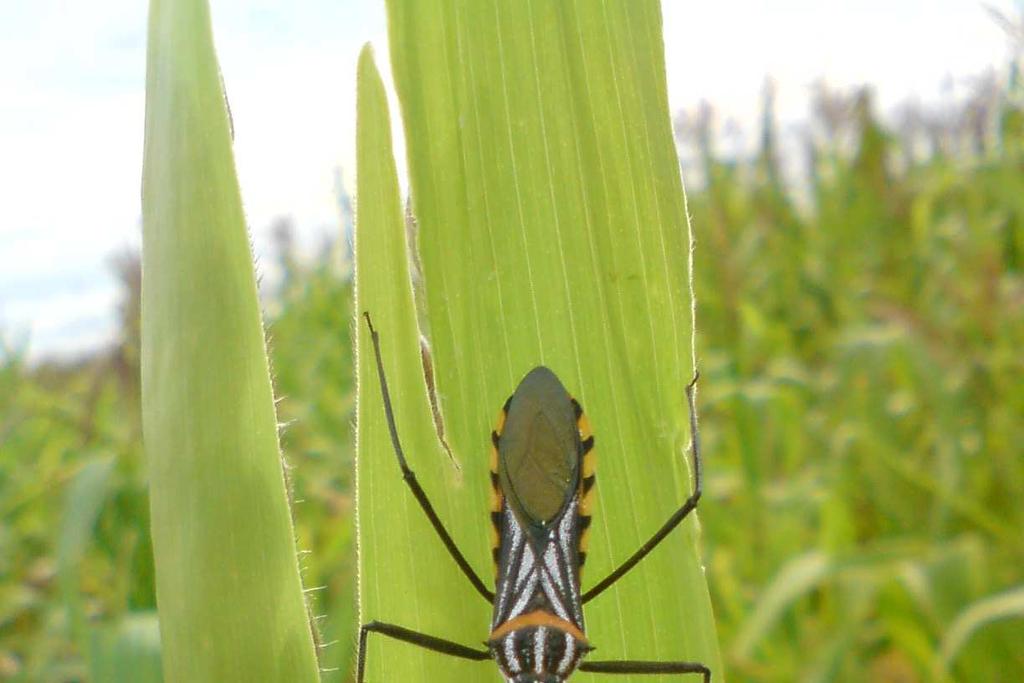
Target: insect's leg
x=410 y=477
x=640 y=667
x=441 y=645
x=673 y=521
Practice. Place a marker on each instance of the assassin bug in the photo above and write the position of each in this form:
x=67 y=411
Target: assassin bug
x=542 y=479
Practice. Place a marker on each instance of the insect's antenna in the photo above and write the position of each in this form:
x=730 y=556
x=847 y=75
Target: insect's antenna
x=410 y=477
x=677 y=517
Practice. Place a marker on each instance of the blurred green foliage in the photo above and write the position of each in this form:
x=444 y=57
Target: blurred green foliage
x=862 y=401
x=862 y=398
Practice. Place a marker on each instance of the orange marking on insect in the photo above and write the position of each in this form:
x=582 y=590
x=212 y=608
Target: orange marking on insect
x=588 y=469
x=494 y=536
x=537 y=618
x=586 y=504
x=496 y=500
x=583 y=425
x=584 y=541
x=589 y=464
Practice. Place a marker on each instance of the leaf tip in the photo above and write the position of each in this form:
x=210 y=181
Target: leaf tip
x=366 y=60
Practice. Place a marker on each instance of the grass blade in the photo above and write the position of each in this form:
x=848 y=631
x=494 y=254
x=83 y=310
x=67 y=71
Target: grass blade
x=1006 y=605
x=796 y=579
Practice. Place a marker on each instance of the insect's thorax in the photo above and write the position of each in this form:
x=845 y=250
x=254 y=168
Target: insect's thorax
x=537 y=630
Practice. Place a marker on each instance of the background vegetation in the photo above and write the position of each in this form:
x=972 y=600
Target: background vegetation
x=862 y=400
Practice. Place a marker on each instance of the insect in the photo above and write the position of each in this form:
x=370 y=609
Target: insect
x=542 y=480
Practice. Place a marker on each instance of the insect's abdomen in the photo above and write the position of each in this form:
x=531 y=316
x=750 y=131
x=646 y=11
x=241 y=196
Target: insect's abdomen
x=548 y=653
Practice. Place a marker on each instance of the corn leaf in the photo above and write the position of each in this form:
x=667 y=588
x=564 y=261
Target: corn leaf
x=552 y=230
x=227 y=580
x=400 y=559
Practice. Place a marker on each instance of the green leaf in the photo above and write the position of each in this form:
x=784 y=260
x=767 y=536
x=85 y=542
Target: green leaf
x=552 y=230
x=1006 y=605
x=85 y=498
x=127 y=651
x=82 y=506
x=227 y=579
x=400 y=559
x=798 y=577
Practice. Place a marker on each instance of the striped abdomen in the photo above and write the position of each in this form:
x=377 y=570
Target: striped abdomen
x=538 y=649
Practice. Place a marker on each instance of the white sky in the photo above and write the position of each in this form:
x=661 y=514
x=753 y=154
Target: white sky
x=72 y=99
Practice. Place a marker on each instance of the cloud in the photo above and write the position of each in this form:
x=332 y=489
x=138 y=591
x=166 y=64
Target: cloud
x=73 y=112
